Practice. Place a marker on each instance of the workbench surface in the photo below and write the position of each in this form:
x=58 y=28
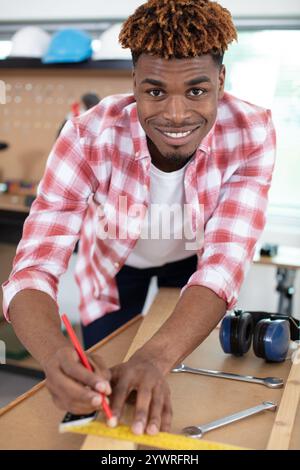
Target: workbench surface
x=32 y=421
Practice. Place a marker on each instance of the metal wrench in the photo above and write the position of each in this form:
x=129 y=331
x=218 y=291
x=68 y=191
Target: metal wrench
x=271 y=382
x=198 y=431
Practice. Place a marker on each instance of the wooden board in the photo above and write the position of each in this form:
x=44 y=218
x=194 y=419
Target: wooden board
x=284 y=423
x=33 y=422
x=159 y=311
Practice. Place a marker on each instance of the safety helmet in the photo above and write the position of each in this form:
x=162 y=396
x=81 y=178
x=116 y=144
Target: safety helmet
x=68 y=45
x=30 y=41
x=110 y=47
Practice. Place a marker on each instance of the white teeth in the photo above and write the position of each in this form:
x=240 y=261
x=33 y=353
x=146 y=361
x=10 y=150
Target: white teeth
x=177 y=135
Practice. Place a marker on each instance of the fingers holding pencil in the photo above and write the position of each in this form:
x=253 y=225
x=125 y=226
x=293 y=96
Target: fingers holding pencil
x=102 y=371
x=73 y=387
x=79 y=383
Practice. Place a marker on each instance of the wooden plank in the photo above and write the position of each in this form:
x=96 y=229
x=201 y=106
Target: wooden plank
x=93 y=442
x=159 y=311
x=284 y=422
x=40 y=385
x=32 y=422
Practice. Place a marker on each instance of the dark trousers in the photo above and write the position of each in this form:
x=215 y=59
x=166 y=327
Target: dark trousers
x=133 y=287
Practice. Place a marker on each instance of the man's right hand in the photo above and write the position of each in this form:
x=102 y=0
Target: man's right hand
x=72 y=386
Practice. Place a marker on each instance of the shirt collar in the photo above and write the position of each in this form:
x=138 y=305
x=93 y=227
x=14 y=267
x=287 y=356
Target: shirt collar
x=138 y=135
x=206 y=143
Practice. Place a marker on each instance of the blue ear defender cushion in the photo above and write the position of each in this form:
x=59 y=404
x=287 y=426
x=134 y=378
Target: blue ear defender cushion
x=241 y=333
x=258 y=338
x=236 y=333
x=224 y=334
x=271 y=339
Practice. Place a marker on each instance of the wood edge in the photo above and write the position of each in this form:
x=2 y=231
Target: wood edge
x=90 y=443
x=40 y=385
x=160 y=294
x=276 y=441
x=21 y=398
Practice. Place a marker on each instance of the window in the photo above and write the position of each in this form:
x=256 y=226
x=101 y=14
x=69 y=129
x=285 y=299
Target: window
x=5 y=47
x=264 y=68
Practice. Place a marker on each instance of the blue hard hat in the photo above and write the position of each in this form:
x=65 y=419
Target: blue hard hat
x=68 y=45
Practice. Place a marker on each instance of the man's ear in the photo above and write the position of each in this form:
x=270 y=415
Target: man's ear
x=222 y=75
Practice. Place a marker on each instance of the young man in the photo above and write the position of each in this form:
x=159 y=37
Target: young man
x=180 y=138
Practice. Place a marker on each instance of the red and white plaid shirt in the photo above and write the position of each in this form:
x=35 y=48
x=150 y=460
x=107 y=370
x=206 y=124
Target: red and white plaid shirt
x=102 y=155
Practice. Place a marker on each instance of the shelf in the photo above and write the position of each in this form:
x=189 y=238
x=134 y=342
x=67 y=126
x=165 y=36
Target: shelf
x=13 y=203
x=20 y=63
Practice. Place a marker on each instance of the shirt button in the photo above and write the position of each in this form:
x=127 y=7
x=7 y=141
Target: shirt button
x=116 y=265
x=145 y=187
x=136 y=154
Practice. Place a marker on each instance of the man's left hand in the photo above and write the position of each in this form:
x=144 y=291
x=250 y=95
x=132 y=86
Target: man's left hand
x=153 y=410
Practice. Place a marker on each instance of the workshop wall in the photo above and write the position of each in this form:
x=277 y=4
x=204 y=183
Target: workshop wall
x=37 y=103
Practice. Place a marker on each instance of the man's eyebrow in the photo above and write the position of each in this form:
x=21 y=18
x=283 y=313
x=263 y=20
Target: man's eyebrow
x=194 y=81
x=197 y=80
x=152 y=81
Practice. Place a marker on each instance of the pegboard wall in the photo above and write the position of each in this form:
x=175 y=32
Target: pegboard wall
x=37 y=103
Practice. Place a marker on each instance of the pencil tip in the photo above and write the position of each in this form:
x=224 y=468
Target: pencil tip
x=112 y=422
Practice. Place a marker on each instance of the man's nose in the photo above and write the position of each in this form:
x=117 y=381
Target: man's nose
x=176 y=110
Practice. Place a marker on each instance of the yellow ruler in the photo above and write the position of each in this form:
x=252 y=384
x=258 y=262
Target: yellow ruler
x=162 y=440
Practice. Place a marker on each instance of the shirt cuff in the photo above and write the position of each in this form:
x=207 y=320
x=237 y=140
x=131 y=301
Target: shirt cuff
x=213 y=280
x=26 y=279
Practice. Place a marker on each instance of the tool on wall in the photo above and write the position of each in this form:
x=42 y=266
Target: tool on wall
x=271 y=382
x=271 y=334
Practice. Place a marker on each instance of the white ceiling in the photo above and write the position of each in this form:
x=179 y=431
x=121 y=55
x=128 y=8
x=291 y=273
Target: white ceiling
x=16 y=10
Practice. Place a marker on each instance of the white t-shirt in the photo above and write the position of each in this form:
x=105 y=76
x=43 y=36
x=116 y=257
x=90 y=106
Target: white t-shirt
x=162 y=242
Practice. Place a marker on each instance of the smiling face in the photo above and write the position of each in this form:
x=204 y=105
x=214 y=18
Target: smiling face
x=177 y=101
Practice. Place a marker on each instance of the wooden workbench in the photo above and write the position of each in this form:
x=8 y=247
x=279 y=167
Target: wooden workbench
x=288 y=257
x=31 y=422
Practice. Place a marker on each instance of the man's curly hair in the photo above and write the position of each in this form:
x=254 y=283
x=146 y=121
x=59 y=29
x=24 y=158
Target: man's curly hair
x=178 y=29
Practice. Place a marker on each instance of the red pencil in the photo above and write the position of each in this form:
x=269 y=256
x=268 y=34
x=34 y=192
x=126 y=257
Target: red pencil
x=84 y=360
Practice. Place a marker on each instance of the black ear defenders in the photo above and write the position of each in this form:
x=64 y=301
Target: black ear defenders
x=271 y=334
